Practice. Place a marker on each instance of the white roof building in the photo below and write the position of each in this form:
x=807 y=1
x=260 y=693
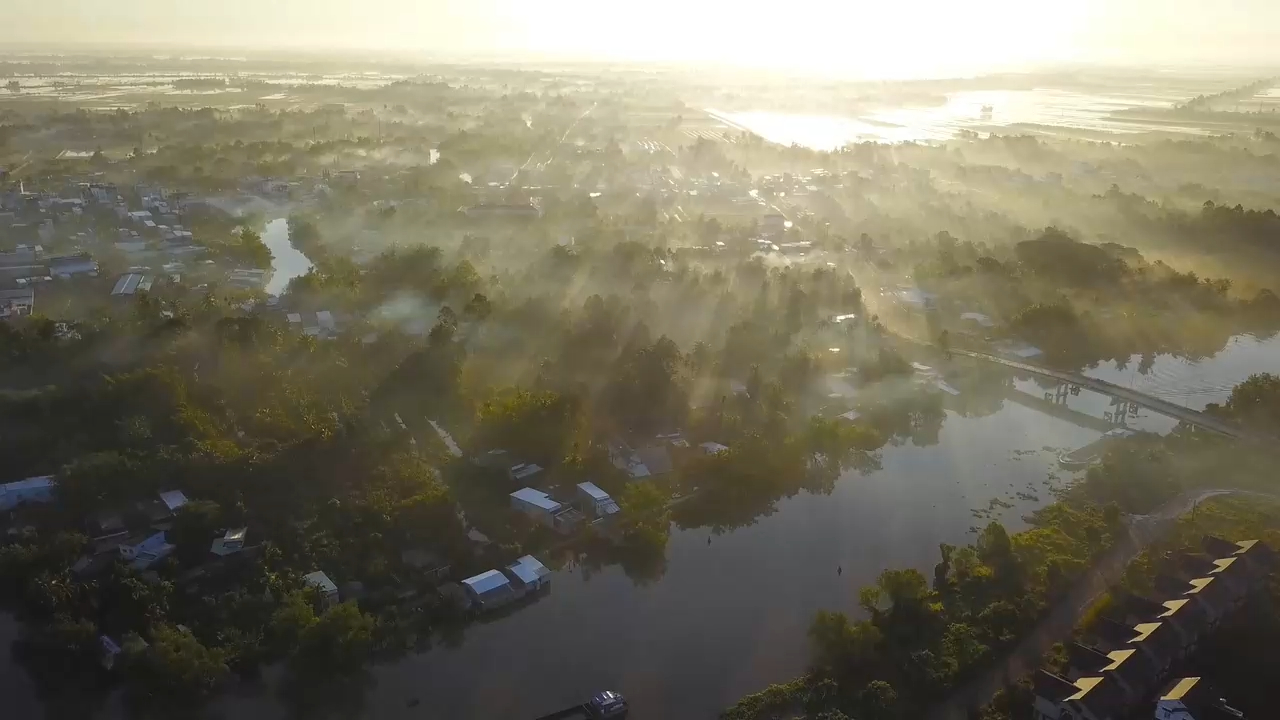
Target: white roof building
x=713 y=448
x=596 y=501
x=537 y=499
x=173 y=499
x=328 y=589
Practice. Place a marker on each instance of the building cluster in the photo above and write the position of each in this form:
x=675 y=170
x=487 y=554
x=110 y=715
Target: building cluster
x=495 y=588
x=1132 y=661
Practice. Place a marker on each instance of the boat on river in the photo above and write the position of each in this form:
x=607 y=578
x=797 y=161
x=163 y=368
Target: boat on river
x=607 y=704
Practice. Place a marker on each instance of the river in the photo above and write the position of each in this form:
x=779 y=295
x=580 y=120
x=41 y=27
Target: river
x=730 y=617
x=287 y=261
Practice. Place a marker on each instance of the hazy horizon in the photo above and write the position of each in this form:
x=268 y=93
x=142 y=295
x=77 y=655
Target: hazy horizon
x=920 y=38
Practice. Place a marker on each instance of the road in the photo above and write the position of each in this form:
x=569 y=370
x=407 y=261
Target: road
x=1164 y=407
x=1028 y=654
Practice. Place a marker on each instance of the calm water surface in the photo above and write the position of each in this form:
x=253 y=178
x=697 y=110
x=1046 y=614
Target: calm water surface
x=287 y=261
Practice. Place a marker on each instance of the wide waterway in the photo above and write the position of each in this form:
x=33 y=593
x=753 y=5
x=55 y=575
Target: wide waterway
x=730 y=617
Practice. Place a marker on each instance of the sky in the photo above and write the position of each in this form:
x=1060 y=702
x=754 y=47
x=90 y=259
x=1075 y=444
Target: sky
x=884 y=38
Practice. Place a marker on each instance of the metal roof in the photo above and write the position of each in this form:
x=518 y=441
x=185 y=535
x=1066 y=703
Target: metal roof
x=593 y=490
x=173 y=499
x=528 y=570
x=319 y=580
x=31 y=483
x=537 y=498
x=486 y=582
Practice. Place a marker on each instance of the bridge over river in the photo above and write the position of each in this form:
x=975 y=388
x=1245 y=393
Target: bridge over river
x=1160 y=405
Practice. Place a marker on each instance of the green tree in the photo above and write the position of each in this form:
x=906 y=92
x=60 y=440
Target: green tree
x=339 y=642
x=175 y=668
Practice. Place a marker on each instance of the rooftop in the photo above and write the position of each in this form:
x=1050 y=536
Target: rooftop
x=537 y=498
x=173 y=499
x=593 y=491
x=31 y=483
x=528 y=570
x=487 y=581
x=1180 y=689
x=321 y=581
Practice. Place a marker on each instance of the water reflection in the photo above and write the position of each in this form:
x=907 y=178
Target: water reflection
x=287 y=261
x=986 y=110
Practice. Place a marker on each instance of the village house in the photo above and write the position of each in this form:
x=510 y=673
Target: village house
x=324 y=586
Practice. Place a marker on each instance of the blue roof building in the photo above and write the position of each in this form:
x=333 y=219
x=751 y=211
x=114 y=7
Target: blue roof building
x=530 y=574
x=489 y=589
x=36 y=489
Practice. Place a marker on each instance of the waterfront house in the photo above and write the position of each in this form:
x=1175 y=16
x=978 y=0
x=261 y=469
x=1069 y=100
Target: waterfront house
x=528 y=575
x=34 y=489
x=489 y=589
x=327 y=588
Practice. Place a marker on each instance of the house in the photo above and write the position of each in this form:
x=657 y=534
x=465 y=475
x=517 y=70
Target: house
x=1189 y=618
x=536 y=504
x=529 y=575
x=173 y=499
x=231 y=542
x=1129 y=669
x=326 y=587
x=318 y=324
x=147 y=552
x=713 y=448
x=1132 y=672
x=489 y=589
x=17 y=302
x=596 y=503
x=1160 y=642
x=523 y=472
x=1087 y=698
x=67 y=266
x=539 y=506
x=1192 y=698
x=1216 y=595
x=1255 y=554
x=34 y=489
x=132 y=283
